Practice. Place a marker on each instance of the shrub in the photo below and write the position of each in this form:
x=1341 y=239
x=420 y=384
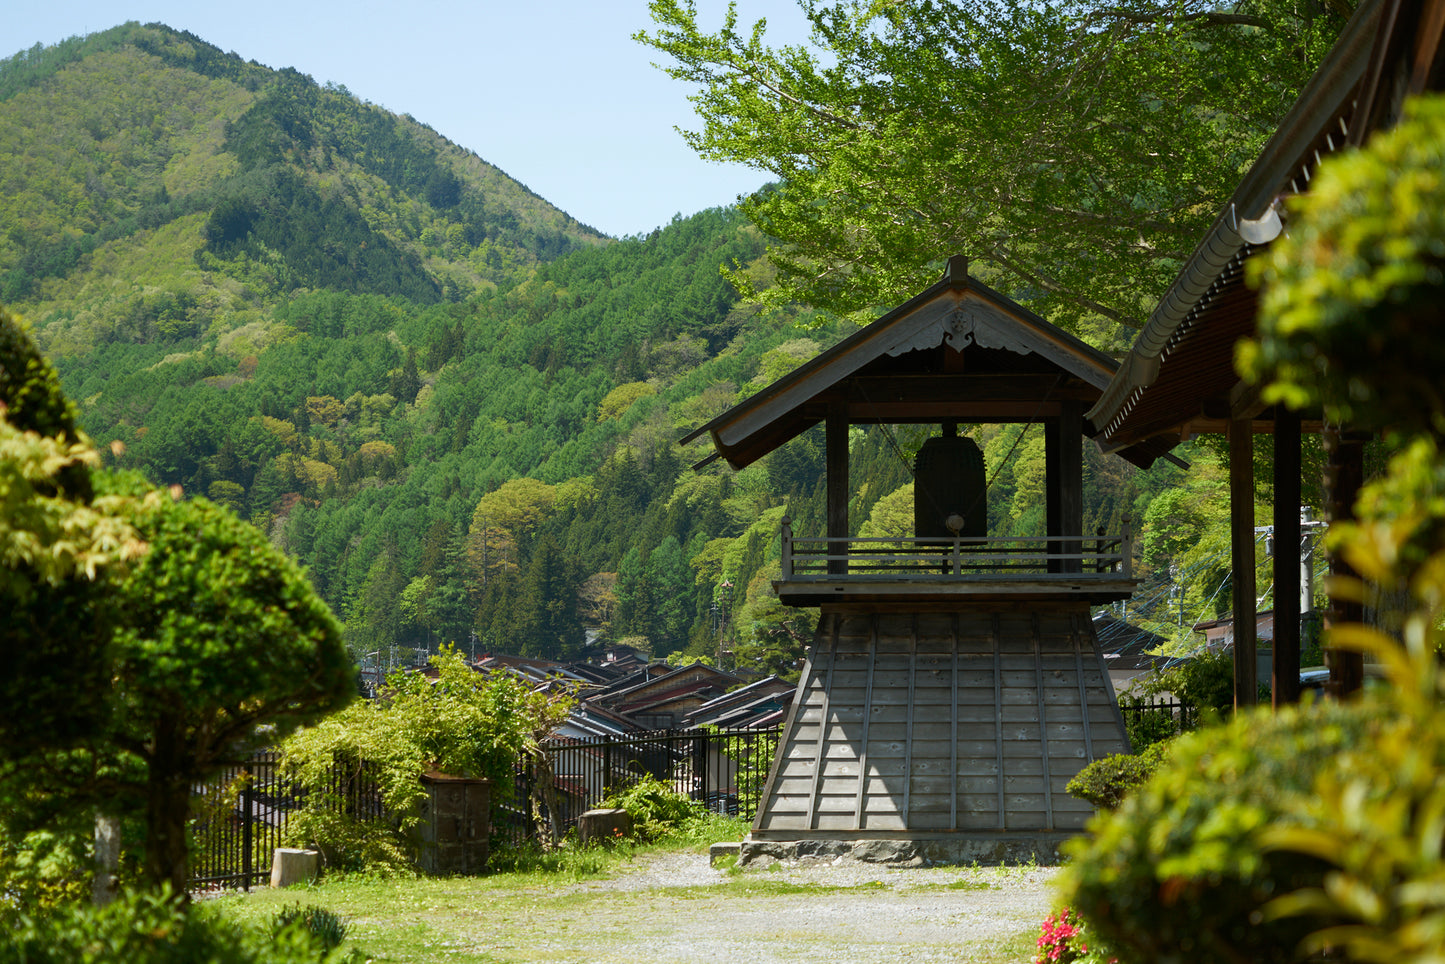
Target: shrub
x=1204 y=683
x=154 y=928
x=461 y=723
x=656 y=809
x=326 y=927
x=1175 y=874
x=1376 y=818
x=1106 y=781
x=1064 y=938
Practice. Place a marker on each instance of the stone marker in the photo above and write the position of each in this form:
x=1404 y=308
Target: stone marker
x=290 y=866
x=603 y=825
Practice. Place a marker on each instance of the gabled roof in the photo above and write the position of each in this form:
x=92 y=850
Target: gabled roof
x=686 y=679
x=1120 y=638
x=871 y=373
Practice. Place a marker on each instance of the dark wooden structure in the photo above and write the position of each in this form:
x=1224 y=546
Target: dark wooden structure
x=954 y=685
x=1178 y=379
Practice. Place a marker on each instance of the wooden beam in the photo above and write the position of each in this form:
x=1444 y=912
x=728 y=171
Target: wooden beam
x=836 y=443
x=1241 y=540
x=1285 y=666
x=986 y=411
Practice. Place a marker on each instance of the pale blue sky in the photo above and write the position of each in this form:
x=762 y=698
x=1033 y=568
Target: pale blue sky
x=554 y=92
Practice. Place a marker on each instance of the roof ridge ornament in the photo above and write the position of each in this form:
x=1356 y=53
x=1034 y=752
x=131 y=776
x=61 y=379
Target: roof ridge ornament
x=955 y=272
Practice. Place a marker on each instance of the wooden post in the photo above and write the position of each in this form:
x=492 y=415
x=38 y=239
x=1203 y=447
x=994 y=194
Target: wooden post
x=1064 y=484
x=1285 y=666
x=836 y=438
x=1053 y=479
x=1241 y=540
x=1071 y=482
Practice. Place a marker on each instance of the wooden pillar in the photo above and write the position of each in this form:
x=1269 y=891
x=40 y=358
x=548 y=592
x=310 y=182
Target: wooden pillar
x=1071 y=480
x=1344 y=474
x=1285 y=667
x=1064 y=483
x=1053 y=479
x=1241 y=541
x=836 y=443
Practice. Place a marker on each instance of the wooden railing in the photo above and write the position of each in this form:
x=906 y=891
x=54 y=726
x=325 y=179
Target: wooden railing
x=808 y=558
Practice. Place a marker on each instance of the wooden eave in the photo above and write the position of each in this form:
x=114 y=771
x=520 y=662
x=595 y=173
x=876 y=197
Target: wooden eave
x=870 y=378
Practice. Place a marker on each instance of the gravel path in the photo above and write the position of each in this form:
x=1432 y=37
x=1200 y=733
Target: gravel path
x=840 y=911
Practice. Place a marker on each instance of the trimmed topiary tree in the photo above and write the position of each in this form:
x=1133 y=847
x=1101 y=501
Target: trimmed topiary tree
x=150 y=642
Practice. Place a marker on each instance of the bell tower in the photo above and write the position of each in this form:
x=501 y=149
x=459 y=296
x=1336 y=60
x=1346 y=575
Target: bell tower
x=954 y=684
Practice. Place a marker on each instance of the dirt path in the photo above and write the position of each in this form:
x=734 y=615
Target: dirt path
x=675 y=908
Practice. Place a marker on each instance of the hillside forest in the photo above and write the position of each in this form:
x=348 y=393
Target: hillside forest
x=456 y=406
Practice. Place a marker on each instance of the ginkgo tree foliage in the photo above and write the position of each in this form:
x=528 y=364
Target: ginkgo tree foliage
x=1074 y=150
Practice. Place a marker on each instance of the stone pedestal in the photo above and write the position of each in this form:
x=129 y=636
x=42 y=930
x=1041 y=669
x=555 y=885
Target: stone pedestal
x=290 y=866
x=603 y=826
x=455 y=824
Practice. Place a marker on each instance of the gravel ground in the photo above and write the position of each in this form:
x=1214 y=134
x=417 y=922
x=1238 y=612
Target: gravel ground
x=838 y=911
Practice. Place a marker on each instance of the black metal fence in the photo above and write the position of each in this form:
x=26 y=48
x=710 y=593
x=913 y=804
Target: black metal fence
x=242 y=817
x=237 y=822
x=1149 y=719
x=722 y=769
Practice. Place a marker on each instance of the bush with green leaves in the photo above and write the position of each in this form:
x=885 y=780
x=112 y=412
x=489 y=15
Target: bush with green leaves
x=656 y=809
x=461 y=723
x=1203 y=683
x=1376 y=820
x=326 y=926
x=1175 y=874
x=1108 y=780
x=152 y=927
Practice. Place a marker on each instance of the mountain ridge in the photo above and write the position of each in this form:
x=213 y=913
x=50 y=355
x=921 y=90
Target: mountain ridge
x=267 y=155
x=454 y=404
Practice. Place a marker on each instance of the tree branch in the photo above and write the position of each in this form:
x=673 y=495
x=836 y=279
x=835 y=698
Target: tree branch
x=1208 y=18
x=1054 y=287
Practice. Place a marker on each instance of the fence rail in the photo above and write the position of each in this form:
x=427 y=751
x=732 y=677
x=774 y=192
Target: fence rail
x=933 y=557
x=242 y=816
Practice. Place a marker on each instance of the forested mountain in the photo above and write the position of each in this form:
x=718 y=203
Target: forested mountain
x=454 y=404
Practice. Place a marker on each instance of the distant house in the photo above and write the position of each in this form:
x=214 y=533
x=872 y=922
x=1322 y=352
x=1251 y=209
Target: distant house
x=1219 y=633
x=1127 y=649
x=751 y=707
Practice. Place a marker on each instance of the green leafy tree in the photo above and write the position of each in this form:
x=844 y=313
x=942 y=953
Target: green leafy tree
x=547 y=621
x=224 y=647
x=59 y=547
x=1074 y=150
x=209 y=641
